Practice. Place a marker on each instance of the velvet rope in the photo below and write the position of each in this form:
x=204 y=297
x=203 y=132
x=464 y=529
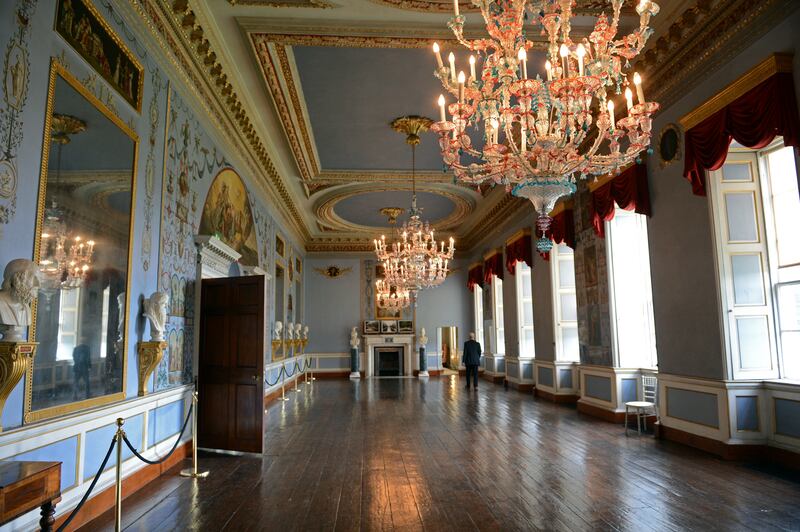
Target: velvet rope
x=519 y=250
x=753 y=120
x=628 y=190
x=475 y=277
x=493 y=266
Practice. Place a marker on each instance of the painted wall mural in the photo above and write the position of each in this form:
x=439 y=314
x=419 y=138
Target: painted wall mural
x=16 y=77
x=591 y=279
x=227 y=214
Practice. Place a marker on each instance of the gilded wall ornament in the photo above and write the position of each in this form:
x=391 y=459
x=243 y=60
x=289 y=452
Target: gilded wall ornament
x=333 y=271
x=669 y=144
x=16 y=76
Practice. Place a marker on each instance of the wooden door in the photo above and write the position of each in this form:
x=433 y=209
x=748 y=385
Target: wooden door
x=231 y=365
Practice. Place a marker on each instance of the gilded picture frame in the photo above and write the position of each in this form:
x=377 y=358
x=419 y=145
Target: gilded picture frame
x=80 y=24
x=58 y=70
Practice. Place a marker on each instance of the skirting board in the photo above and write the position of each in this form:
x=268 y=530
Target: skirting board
x=431 y=372
x=104 y=501
x=496 y=379
x=521 y=387
x=602 y=413
x=749 y=453
x=556 y=398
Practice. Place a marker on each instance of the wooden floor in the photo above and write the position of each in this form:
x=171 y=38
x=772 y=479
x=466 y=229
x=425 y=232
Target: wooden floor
x=400 y=454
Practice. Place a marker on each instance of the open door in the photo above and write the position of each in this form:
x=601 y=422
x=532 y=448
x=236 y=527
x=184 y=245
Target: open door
x=231 y=364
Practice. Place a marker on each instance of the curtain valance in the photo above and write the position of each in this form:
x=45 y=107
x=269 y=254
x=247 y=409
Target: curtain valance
x=492 y=265
x=753 y=120
x=519 y=249
x=628 y=190
x=475 y=277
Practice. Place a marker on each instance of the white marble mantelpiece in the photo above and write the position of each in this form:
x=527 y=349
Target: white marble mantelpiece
x=389 y=340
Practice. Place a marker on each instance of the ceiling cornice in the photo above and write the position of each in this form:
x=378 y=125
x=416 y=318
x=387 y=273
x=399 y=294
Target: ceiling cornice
x=705 y=36
x=174 y=26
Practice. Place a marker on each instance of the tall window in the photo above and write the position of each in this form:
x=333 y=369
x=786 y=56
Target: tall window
x=104 y=322
x=525 y=310
x=630 y=292
x=565 y=308
x=68 y=319
x=500 y=331
x=756 y=216
x=477 y=296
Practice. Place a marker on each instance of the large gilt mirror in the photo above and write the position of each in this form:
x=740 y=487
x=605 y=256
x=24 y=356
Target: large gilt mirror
x=83 y=248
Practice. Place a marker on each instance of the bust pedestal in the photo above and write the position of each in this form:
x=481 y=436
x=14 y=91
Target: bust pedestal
x=14 y=360
x=150 y=355
x=423 y=362
x=354 y=371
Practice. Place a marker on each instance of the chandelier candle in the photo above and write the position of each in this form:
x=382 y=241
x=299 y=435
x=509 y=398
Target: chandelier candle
x=438 y=55
x=541 y=136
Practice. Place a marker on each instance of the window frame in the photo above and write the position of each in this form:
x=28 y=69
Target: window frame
x=618 y=356
x=522 y=270
x=557 y=291
x=499 y=332
x=477 y=306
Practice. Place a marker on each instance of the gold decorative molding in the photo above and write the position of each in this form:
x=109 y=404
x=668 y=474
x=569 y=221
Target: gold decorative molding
x=174 y=27
x=15 y=358
x=705 y=36
x=319 y=4
x=519 y=234
x=150 y=355
x=278 y=349
x=582 y=7
x=749 y=80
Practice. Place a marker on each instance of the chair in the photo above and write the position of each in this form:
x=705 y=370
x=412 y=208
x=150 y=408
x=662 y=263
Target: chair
x=646 y=407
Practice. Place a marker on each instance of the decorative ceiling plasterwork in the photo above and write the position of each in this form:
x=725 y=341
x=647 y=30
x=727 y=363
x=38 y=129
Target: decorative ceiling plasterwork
x=319 y=4
x=463 y=200
x=203 y=75
x=706 y=35
x=582 y=7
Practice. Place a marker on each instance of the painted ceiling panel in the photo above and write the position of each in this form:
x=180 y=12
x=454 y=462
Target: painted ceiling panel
x=353 y=93
x=363 y=208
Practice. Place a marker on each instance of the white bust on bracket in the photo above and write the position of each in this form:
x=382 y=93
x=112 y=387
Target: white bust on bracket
x=155 y=310
x=290 y=331
x=277 y=330
x=297 y=331
x=19 y=290
x=305 y=332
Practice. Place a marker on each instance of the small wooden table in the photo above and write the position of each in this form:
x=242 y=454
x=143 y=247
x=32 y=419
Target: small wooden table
x=25 y=486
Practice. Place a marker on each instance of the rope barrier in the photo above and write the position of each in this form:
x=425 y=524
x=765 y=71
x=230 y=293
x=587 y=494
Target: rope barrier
x=91 y=486
x=269 y=384
x=156 y=462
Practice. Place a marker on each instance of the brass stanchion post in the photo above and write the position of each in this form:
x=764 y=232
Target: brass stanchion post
x=297 y=378
x=118 y=484
x=283 y=383
x=192 y=472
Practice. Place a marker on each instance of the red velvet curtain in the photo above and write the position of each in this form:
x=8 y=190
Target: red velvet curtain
x=753 y=120
x=628 y=190
x=493 y=266
x=519 y=250
x=475 y=277
x=562 y=230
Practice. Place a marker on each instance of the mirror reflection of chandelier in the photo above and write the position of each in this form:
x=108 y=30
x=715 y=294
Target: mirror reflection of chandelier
x=414 y=261
x=541 y=134
x=65 y=259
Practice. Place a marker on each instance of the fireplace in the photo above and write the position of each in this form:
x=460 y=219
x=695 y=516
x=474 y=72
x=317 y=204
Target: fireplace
x=388 y=361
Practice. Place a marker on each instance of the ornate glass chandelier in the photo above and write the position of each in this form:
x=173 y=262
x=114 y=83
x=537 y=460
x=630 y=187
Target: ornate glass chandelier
x=414 y=262
x=391 y=297
x=542 y=134
x=65 y=260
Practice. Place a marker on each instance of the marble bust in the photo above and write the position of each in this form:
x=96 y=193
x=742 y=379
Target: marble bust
x=155 y=310
x=298 y=327
x=290 y=331
x=423 y=338
x=276 y=331
x=19 y=289
x=305 y=332
x=354 y=338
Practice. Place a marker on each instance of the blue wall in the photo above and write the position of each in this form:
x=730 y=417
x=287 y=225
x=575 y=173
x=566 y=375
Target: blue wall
x=206 y=157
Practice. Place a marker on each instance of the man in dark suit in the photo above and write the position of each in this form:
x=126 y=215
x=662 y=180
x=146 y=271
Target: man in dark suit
x=471 y=360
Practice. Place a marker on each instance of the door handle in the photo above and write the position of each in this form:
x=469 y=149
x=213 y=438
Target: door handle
x=255 y=377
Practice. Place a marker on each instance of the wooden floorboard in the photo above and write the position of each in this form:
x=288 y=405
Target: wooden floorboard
x=404 y=454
